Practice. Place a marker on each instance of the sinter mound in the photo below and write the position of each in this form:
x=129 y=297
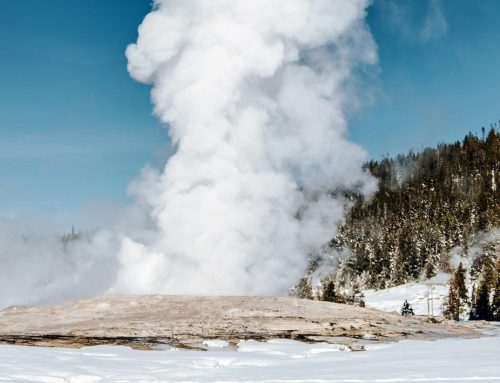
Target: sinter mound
x=186 y=321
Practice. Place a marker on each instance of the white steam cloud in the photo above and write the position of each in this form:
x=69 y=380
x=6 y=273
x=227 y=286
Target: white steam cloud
x=254 y=93
x=39 y=267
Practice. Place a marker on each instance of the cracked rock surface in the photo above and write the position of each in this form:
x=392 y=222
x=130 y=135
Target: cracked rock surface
x=146 y=322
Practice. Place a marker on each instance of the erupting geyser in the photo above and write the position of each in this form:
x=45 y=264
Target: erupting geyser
x=253 y=94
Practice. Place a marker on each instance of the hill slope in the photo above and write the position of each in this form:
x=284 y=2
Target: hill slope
x=431 y=208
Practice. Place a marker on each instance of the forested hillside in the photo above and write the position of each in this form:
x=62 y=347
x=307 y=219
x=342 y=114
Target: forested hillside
x=431 y=206
x=427 y=204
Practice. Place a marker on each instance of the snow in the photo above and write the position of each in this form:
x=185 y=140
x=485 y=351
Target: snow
x=448 y=360
x=215 y=343
x=426 y=298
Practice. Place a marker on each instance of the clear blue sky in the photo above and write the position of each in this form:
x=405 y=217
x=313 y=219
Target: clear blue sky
x=75 y=129
x=439 y=73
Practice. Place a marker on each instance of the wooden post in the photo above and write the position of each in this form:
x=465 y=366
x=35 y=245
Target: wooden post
x=432 y=301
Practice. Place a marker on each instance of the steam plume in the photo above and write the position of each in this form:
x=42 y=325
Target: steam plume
x=253 y=93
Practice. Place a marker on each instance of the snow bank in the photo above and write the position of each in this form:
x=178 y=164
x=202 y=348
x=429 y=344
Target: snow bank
x=426 y=298
x=449 y=360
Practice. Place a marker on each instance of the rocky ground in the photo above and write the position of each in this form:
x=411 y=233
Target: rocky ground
x=146 y=322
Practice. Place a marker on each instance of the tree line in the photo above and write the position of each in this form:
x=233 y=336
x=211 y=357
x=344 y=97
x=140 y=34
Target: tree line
x=430 y=207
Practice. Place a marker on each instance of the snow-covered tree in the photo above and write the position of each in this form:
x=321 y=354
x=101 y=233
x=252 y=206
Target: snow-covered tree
x=407 y=310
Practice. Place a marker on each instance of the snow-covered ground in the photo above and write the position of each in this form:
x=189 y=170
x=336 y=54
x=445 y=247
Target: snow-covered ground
x=448 y=360
x=426 y=298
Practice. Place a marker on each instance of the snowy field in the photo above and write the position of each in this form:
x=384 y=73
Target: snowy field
x=449 y=360
x=426 y=298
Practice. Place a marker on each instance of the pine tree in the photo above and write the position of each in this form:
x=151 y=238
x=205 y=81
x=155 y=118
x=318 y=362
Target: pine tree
x=473 y=300
x=362 y=302
x=407 y=310
x=457 y=301
x=482 y=309
x=461 y=282
x=451 y=307
x=489 y=260
x=432 y=266
x=303 y=289
x=495 y=306
x=328 y=293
